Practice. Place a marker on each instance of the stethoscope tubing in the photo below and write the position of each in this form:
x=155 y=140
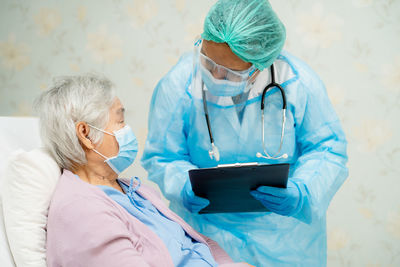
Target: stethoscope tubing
x=272 y=84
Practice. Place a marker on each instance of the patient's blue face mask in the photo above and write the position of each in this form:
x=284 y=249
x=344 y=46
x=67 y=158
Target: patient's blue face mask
x=128 y=148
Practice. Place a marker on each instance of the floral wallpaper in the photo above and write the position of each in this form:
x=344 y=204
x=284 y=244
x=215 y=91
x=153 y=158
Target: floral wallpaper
x=353 y=45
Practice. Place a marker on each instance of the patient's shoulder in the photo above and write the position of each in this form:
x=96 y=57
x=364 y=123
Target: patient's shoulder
x=74 y=198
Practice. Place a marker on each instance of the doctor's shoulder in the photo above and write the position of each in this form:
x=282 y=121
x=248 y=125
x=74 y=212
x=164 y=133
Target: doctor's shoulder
x=179 y=75
x=307 y=77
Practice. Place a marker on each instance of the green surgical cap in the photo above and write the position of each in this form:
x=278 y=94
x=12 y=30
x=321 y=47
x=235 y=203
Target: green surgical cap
x=250 y=28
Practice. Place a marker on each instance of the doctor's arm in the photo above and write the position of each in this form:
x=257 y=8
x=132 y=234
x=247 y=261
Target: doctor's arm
x=166 y=156
x=320 y=169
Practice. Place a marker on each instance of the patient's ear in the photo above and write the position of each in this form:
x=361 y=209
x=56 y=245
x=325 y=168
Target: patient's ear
x=82 y=132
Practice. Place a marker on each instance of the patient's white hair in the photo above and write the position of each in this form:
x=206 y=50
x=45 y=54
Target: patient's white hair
x=72 y=99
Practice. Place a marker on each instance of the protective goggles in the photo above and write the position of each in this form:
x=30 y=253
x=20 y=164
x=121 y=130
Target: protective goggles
x=220 y=72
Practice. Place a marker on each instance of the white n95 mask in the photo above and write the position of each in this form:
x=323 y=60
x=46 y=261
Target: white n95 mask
x=128 y=148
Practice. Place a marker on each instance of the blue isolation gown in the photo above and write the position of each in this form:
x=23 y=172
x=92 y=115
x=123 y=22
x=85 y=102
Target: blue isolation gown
x=178 y=141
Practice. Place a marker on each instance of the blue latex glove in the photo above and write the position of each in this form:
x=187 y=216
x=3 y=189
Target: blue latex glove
x=284 y=201
x=192 y=202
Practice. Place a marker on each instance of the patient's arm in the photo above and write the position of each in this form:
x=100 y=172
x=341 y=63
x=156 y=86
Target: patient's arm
x=87 y=235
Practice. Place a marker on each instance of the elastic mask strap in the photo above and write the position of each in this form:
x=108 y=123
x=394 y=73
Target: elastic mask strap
x=94 y=127
x=252 y=71
x=100 y=154
x=101 y=130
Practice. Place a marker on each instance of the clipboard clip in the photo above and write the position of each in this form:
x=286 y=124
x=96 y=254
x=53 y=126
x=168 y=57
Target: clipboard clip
x=237 y=164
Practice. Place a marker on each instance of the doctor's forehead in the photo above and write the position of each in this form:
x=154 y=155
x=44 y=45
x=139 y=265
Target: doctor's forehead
x=222 y=54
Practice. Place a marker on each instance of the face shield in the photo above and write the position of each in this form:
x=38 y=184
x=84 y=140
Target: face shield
x=213 y=83
x=216 y=79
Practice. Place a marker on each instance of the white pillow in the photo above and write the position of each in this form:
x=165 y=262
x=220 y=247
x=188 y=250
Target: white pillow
x=6 y=259
x=15 y=132
x=28 y=184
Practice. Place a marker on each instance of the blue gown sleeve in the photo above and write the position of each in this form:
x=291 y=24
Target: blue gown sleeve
x=166 y=156
x=322 y=148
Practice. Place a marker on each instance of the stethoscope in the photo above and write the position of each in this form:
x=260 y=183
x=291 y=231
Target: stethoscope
x=214 y=152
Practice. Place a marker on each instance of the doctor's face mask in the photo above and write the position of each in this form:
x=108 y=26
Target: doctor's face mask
x=217 y=79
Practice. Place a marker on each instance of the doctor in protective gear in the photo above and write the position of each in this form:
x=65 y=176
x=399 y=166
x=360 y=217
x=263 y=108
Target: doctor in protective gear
x=239 y=98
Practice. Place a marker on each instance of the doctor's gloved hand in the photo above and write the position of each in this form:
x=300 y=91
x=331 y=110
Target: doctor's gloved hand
x=192 y=202
x=284 y=201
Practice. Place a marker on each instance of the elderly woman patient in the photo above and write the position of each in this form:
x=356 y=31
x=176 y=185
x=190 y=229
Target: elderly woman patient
x=95 y=218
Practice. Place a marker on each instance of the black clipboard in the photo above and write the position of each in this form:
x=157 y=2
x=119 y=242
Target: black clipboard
x=228 y=187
